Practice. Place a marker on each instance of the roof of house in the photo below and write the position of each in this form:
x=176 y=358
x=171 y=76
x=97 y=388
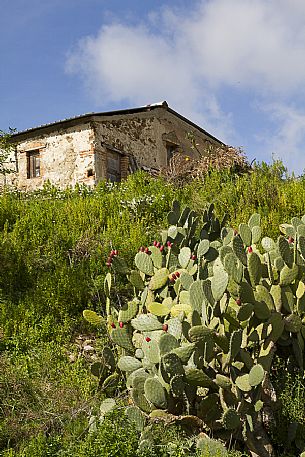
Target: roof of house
x=88 y=116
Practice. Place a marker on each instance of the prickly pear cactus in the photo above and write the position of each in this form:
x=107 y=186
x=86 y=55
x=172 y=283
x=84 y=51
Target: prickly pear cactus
x=213 y=307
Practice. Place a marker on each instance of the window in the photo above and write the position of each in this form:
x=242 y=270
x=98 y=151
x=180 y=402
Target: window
x=33 y=164
x=113 y=166
x=170 y=149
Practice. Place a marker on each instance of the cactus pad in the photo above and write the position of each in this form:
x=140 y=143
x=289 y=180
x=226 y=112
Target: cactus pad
x=262 y=294
x=171 y=365
x=184 y=256
x=158 y=309
x=111 y=381
x=120 y=266
x=176 y=310
x=256 y=233
x=197 y=377
x=135 y=416
x=242 y=382
x=185 y=351
x=136 y=280
x=155 y=393
x=233 y=266
x=288 y=275
x=141 y=401
x=146 y=323
x=122 y=338
x=245 y=312
x=144 y=263
x=256 y=375
x=231 y=419
x=167 y=343
x=223 y=381
x=128 y=311
x=151 y=351
x=107 y=405
x=128 y=363
x=245 y=234
x=219 y=284
x=254 y=220
x=177 y=385
x=159 y=279
x=196 y=296
x=285 y=251
x=293 y=323
x=203 y=248
x=186 y=280
x=92 y=317
x=239 y=250
x=174 y=327
x=235 y=343
x=254 y=268
x=200 y=333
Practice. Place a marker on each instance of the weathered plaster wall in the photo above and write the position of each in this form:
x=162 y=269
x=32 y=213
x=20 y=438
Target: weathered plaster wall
x=10 y=178
x=146 y=135
x=176 y=131
x=66 y=155
x=137 y=134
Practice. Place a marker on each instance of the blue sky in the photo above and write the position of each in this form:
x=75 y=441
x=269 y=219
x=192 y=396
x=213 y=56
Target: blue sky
x=236 y=67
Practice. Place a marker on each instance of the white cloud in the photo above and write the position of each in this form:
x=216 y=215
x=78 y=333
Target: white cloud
x=190 y=58
x=287 y=141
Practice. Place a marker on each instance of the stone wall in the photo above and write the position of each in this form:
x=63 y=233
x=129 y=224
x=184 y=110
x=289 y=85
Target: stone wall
x=66 y=158
x=147 y=135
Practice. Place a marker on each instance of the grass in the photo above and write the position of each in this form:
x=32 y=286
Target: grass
x=104 y=442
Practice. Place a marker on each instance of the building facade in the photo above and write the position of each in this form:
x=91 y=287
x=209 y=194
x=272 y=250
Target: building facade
x=99 y=146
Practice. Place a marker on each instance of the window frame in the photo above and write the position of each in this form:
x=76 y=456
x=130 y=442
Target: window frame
x=113 y=171
x=33 y=164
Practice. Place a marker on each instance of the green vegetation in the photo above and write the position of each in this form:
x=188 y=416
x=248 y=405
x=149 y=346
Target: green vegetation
x=208 y=314
x=54 y=249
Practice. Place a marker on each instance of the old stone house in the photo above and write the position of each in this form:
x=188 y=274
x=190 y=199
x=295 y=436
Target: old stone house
x=96 y=146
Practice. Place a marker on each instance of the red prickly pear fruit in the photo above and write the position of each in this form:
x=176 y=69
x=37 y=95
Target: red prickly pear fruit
x=161 y=247
x=171 y=279
x=290 y=240
x=177 y=274
x=142 y=249
x=116 y=252
x=113 y=325
x=121 y=324
x=193 y=257
x=174 y=276
x=146 y=250
x=155 y=243
x=165 y=327
x=169 y=244
x=238 y=301
x=108 y=264
x=250 y=249
x=111 y=254
x=158 y=244
x=147 y=339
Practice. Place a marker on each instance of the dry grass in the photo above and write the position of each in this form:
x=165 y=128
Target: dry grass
x=183 y=169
